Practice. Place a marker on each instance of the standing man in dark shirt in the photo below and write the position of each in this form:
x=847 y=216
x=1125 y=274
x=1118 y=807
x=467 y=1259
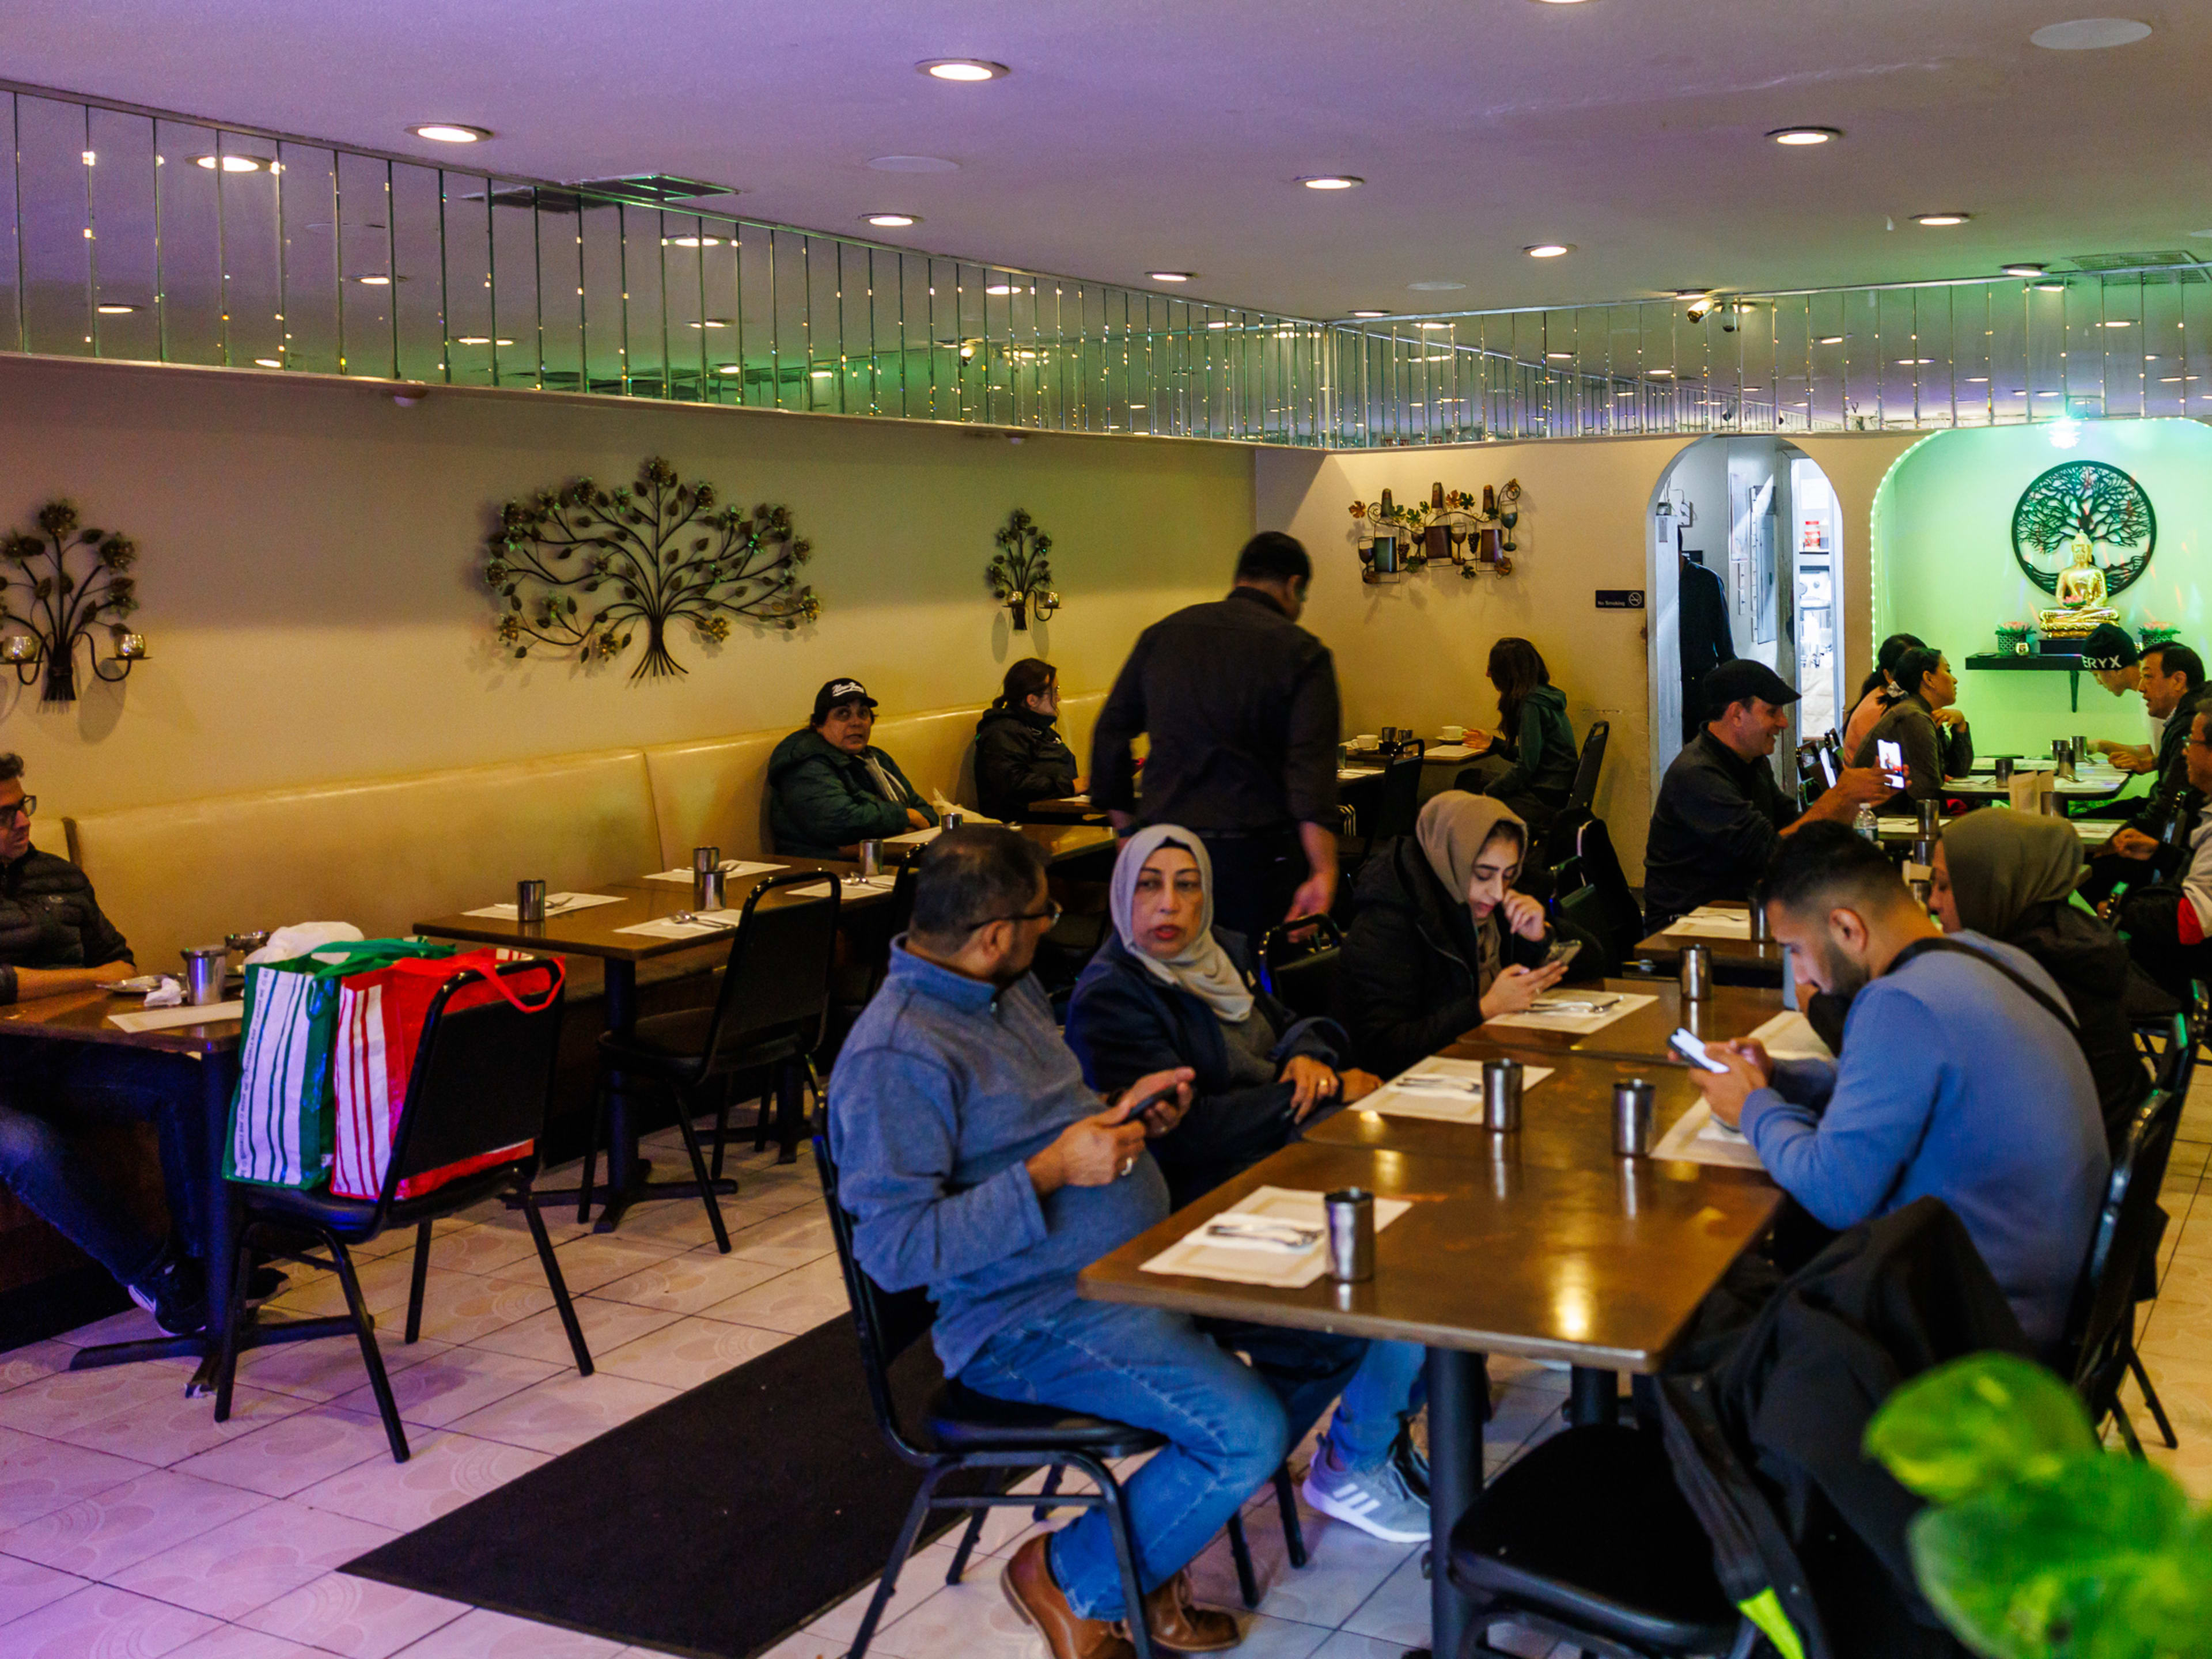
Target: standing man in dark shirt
x=1720 y=814
x=1240 y=703
x=1702 y=636
x=54 y=939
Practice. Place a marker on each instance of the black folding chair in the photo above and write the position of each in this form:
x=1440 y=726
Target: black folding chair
x=1558 y=838
x=1298 y=963
x=483 y=1085
x=1601 y=903
x=2102 y=1334
x=960 y=1429
x=1398 y=798
x=769 y=1013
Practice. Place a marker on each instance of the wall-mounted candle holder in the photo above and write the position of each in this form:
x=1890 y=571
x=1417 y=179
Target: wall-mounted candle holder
x=60 y=607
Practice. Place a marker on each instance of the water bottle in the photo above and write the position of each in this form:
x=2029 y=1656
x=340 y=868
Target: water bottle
x=1866 y=825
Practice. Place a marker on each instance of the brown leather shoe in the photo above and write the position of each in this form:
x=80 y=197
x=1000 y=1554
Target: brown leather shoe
x=1028 y=1583
x=1180 y=1626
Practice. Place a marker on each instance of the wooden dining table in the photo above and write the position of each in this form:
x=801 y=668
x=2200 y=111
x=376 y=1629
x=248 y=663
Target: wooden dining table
x=1757 y=961
x=1539 y=1243
x=1641 y=1033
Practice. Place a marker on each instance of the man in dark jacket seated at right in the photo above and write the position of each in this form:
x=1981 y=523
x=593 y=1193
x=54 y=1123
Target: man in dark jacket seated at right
x=829 y=789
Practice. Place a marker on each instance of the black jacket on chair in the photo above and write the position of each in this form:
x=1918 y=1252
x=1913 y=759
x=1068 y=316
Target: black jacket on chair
x=1020 y=757
x=2108 y=994
x=1409 y=973
x=1124 y=1024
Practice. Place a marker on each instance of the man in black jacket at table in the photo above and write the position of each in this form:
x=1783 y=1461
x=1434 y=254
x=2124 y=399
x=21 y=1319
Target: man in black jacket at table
x=1240 y=704
x=54 y=939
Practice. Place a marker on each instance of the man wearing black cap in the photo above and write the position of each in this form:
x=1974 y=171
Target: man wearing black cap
x=829 y=790
x=1720 y=814
x=2111 y=658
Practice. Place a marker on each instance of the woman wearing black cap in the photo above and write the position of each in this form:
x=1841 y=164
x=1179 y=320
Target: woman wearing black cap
x=1932 y=737
x=829 y=789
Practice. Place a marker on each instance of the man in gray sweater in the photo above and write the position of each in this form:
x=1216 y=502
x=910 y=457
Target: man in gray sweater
x=976 y=1161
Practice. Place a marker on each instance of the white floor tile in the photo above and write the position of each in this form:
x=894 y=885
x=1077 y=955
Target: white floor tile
x=482 y=1634
x=686 y=1352
x=443 y=1390
x=99 y=1536
x=446 y=1471
x=605 y=1325
x=99 y=1621
x=793 y=1302
x=357 y=1618
x=293 y=1455
x=563 y=1413
x=25 y=1586
x=232 y=1569
x=39 y=1476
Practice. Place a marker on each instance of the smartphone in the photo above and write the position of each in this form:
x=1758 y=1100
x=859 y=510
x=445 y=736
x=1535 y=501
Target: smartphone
x=1562 y=950
x=1889 y=755
x=1139 y=1108
x=1692 y=1048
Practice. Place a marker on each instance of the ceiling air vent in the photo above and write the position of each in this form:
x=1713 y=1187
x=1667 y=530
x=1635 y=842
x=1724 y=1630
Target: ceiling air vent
x=642 y=189
x=2170 y=266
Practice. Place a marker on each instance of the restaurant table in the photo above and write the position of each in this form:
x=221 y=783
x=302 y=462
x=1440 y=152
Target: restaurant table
x=1551 y=1249
x=2089 y=782
x=1902 y=831
x=1067 y=809
x=81 y=1017
x=1729 y=1010
x=1060 y=842
x=596 y=932
x=1748 y=960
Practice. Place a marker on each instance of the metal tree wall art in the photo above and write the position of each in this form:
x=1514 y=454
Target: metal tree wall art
x=60 y=606
x=2089 y=503
x=580 y=569
x=1020 y=571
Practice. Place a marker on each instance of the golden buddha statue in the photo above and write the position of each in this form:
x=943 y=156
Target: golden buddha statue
x=2080 y=598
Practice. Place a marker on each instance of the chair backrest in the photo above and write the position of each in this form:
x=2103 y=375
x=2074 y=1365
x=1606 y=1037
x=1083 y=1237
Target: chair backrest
x=869 y=932
x=1298 y=964
x=2127 y=1228
x=781 y=960
x=1618 y=919
x=888 y=1322
x=1588 y=770
x=483 y=1081
x=1400 y=801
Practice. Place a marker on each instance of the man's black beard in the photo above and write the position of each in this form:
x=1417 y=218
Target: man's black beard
x=1846 y=978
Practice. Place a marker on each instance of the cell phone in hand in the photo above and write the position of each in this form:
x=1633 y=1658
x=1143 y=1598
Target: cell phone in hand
x=1692 y=1048
x=1137 y=1109
x=1562 y=952
x=1889 y=755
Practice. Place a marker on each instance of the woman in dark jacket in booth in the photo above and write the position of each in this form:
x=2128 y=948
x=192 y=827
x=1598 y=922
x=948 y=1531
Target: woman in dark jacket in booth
x=2012 y=876
x=1441 y=942
x=1020 y=757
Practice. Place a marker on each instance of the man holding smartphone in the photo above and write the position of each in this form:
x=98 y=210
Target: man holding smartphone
x=1720 y=815
x=976 y=1164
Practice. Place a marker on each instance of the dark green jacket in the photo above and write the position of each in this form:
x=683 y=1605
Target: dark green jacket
x=821 y=799
x=1542 y=750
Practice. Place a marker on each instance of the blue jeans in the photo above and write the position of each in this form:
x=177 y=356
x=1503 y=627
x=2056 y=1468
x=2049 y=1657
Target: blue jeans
x=48 y=1087
x=1227 y=1423
x=1375 y=1402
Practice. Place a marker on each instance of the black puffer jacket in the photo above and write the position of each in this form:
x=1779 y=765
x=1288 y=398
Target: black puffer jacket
x=1020 y=758
x=2108 y=993
x=50 y=919
x=1408 y=979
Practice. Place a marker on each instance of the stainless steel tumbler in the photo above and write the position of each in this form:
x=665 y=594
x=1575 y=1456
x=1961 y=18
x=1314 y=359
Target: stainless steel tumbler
x=1351 y=1234
x=204 y=967
x=709 y=888
x=2003 y=765
x=1501 y=1095
x=1696 y=973
x=1633 y=1101
x=954 y=820
x=530 y=900
x=872 y=858
x=1761 y=932
x=705 y=858
x=1930 y=814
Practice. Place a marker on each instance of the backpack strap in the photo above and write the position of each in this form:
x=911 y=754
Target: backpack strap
x=1952 y=947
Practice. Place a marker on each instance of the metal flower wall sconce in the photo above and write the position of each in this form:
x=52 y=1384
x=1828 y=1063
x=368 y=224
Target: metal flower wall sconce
x=60 y=606
x=1451 y=529
x=1020 y=571
x=579 y=568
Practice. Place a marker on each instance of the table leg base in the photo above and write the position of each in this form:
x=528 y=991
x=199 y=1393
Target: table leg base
x=206 y=1347
x=612 y=1201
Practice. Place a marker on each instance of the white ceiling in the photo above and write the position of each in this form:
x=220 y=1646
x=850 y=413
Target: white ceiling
x=1137 y=135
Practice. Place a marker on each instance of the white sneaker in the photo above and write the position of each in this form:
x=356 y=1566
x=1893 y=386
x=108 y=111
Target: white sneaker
x=1377 y=1501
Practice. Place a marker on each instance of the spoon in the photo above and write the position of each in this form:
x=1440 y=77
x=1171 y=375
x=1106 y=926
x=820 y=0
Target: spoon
x=693 y=919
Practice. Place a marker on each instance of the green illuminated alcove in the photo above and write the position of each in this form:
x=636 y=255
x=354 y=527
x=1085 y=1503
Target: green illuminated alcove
x=1943 y=566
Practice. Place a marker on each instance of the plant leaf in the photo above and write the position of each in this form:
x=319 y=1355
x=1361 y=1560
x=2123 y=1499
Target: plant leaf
x=1976 y=1423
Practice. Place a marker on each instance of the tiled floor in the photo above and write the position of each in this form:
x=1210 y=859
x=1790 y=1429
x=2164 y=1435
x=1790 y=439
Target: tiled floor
x=132 y=1525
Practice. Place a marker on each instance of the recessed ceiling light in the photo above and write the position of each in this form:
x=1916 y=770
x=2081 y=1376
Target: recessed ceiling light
x=1217 y=324
x=1978 y=380
x=1661 y=373
x=891 y=220
x=1936 y=221
x=912 y=164
x=235 y=163
x=1549 y=250
x=690 y=241
x=1908 y=362
x=1330 y=181
x=480 y=339
x=1568 y=354
x=962 y=68
x=2119 y=322
x=446 y=132
x=1436 y=324
x=2048 y=287
x=1000 y=288
x=825 y=373
x=269 y=362
x=711 y=322
x=2023 y=268
x=1794 y=135
x=114 y=308
x=1370 y=314
x=2089 y=33
x=1829 y=339
x=1170 y=276
x=373 y=280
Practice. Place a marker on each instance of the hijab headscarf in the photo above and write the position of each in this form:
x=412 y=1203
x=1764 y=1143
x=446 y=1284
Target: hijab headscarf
x=1453 y=829
x=2003 y=863
x=1203 y=969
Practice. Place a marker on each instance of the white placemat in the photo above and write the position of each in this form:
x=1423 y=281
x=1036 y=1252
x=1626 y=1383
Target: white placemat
x=915 y=837
x=1448 y=751
x=556 y=904
x=1581 y=1013
x=1346 y=773
x=1698 y=1137
x=1713 y=924
x=161 y=1019
x=1449 y=1091
x=853 y=887
x=732 y=868
x=1790 y=1036
x=1194 y=1256
x=710 y=921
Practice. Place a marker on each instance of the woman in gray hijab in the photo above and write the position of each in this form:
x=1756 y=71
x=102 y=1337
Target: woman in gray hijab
x=2012 y=876
x=1441 y=941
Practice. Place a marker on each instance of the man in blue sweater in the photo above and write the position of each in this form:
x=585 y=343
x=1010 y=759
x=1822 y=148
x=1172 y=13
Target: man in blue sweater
x=976 y=1161
x=1959 y=1078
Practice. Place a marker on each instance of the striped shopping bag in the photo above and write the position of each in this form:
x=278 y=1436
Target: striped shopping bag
x=380 y=1016
x=281 y=1114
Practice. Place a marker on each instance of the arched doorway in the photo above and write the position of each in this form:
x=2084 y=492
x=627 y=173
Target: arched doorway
x=1759 y=522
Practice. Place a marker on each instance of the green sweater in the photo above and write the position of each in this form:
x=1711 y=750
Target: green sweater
x=1542 y=750
x=821 y=799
